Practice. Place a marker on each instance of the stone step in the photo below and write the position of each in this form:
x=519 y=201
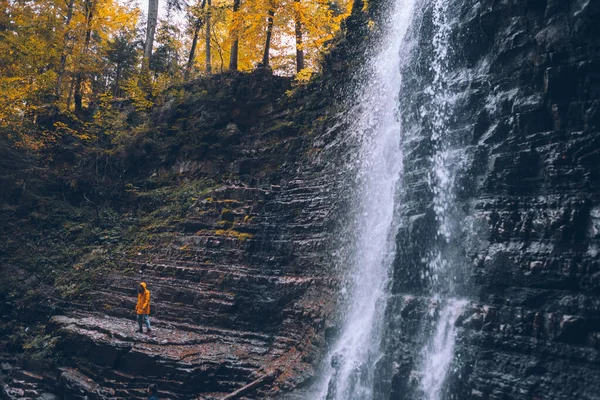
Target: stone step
x=195 y=317
x=193 y=270
x=238 y=193
x=168 y=332
x=211 y=276
x=181 y=302
x=27 y=376
x=181 y=359
x=221 y=288
x=20 y=384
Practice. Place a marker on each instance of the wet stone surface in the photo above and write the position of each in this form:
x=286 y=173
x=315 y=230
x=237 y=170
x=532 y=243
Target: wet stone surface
x=526 y=130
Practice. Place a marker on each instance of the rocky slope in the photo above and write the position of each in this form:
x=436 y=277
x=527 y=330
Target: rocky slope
x=225 y=214
x=237 y=292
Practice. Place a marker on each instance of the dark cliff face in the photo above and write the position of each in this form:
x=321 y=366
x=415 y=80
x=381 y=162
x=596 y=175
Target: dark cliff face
x=525 y=123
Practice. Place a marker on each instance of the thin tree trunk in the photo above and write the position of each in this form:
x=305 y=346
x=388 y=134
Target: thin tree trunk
x=265 y=60
x=63 y=55
x=190 y=62
x=117 y=81
x=220 y=53
x=150 y=30
x=235 y=43
x=192 y=56
x=208 y=61
x=78 y=96
x=70 y=96
x=299 y=49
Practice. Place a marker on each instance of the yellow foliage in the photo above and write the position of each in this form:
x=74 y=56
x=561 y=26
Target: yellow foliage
x=304 y=75
x=45 y=47
x=241 y=236
x=320 y=21
x=71 y=55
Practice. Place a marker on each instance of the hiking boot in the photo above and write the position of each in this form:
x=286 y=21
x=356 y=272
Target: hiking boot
x=140 y=331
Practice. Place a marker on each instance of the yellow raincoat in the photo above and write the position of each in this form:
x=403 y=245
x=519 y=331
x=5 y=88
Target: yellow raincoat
x=143 y=302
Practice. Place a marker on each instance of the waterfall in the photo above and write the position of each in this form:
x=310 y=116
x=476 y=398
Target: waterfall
x=376 y=125
x=439 y=352
x=376 y=116
x=443 y=266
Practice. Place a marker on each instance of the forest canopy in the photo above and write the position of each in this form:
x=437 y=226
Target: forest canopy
x=73 y=55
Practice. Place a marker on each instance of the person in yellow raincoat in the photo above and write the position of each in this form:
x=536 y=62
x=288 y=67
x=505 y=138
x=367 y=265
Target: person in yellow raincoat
x=142 y=307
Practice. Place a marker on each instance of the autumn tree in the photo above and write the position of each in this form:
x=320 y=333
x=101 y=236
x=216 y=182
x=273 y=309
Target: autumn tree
x=213 y=52
x=96 y=25
x=235 y=36
x=65 y=54
x=89 y=11
x=51 y=49
x=298 y=31
x=166 y=65
x=315 y=24
x=67 y=39
x=195 y=22
x=122 y=58
x=207 y=36
x=152 y=20
x=269 y=32
x=27 y=80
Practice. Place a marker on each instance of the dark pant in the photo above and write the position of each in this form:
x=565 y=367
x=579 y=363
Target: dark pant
x=143 y=319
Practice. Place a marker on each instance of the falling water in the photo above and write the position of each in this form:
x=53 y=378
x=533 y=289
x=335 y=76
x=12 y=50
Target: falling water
x=438 y=353
x=351 y=362
x=376 y=124
x=440 y=106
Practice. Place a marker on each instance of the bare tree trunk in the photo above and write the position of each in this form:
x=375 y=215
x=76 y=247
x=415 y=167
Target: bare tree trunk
x=70 y=96
x=190 y=62
x=265 y=60
x=235 y=43
x=150 y=30
x=78 y=96
x=117 y=80
x=219 y=52
x=208 y=61
x=192 y=56
x=63 y=55
x=299 y=49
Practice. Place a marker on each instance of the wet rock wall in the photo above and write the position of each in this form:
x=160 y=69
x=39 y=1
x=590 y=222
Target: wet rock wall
x=524 y=130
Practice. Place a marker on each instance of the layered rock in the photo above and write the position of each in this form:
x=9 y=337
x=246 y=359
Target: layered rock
x=237 y=289
x=523 y=127
x=236 y=265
